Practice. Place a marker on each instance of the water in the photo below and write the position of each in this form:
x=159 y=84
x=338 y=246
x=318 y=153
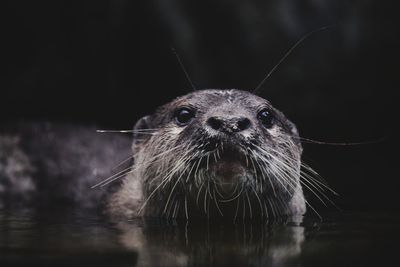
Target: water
x=71 y=239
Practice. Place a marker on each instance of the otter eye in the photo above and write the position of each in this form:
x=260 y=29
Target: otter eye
x=184 y=115
x=266 y=117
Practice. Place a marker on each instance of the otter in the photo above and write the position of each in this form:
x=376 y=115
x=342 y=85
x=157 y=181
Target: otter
x=213 y=153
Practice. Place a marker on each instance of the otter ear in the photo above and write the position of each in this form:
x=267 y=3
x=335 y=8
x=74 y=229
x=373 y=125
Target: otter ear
x=293 y=128
x=139 y=130
x=295 y=134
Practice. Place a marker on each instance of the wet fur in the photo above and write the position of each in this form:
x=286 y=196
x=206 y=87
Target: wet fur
x=171 y=176
x=176 y=171
x=49 y=165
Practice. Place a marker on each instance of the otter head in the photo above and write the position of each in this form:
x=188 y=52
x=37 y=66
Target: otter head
x=218 y=153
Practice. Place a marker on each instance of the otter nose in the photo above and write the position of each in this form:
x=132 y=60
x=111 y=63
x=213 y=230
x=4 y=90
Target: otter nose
x=229 y=125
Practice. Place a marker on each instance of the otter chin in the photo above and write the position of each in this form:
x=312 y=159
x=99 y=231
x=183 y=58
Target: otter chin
x=213 y=153
x=228 y=175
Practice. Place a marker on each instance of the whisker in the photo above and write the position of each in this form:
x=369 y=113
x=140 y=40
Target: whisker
x=304 y=37
x=143 y=131
x=316 y=178
x=237 y=209
x=122 y=162
x=259 y=201
x=244 y=210
x=216 y=204
x=106 y=181
x=313 y=209
x=162 y=183
x=318 y=142
x=250 y=209
x=322 y=194
x=231 y=199
x=198 y=193
x=186 y=209
x=115 y=178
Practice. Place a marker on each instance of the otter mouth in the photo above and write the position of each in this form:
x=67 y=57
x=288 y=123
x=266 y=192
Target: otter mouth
x=229 y=167
x=228 y=175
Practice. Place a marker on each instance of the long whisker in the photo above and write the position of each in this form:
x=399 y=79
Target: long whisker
x=107 y=180
x=233 y=198
x=311 y=183
x=216 y=204
x=123 y=162
x=287 y=54
x=198 y=193
x=184 y=69
x=284 y=171
x=313 y=209
x=237 y=209
x=318 y=142
x=142 y=131
x=259 y=201
x=115 y=178
x=173 y=188
x=186 y=209
x=162 y=183
x=250 y=209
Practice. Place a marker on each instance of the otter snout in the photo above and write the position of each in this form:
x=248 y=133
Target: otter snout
x=228 y=125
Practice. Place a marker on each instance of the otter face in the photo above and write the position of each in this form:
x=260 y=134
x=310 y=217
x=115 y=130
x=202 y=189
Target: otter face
x=218 y=152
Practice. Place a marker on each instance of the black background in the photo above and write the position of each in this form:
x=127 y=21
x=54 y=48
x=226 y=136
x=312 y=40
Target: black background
x=110 y=62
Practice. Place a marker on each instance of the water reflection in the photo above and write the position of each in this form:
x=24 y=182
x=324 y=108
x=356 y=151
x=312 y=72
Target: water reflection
x=65 y=238
x=28 y=238
x=215 y=244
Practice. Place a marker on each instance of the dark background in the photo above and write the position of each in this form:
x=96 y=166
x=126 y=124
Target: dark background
x=110 y=62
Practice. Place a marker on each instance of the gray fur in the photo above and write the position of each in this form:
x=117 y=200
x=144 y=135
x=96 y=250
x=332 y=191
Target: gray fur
x=179 y=171
x=166 y=181
x=43 y=164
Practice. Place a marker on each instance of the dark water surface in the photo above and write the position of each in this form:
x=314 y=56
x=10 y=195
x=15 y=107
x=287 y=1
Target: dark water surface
x=341 y=239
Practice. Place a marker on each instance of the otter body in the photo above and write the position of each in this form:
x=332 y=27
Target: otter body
x=52 y=166
x=209 y=154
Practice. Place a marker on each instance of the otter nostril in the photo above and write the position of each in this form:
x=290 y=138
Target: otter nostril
x=229 y=125
x=243 y=124
x=215 y=123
